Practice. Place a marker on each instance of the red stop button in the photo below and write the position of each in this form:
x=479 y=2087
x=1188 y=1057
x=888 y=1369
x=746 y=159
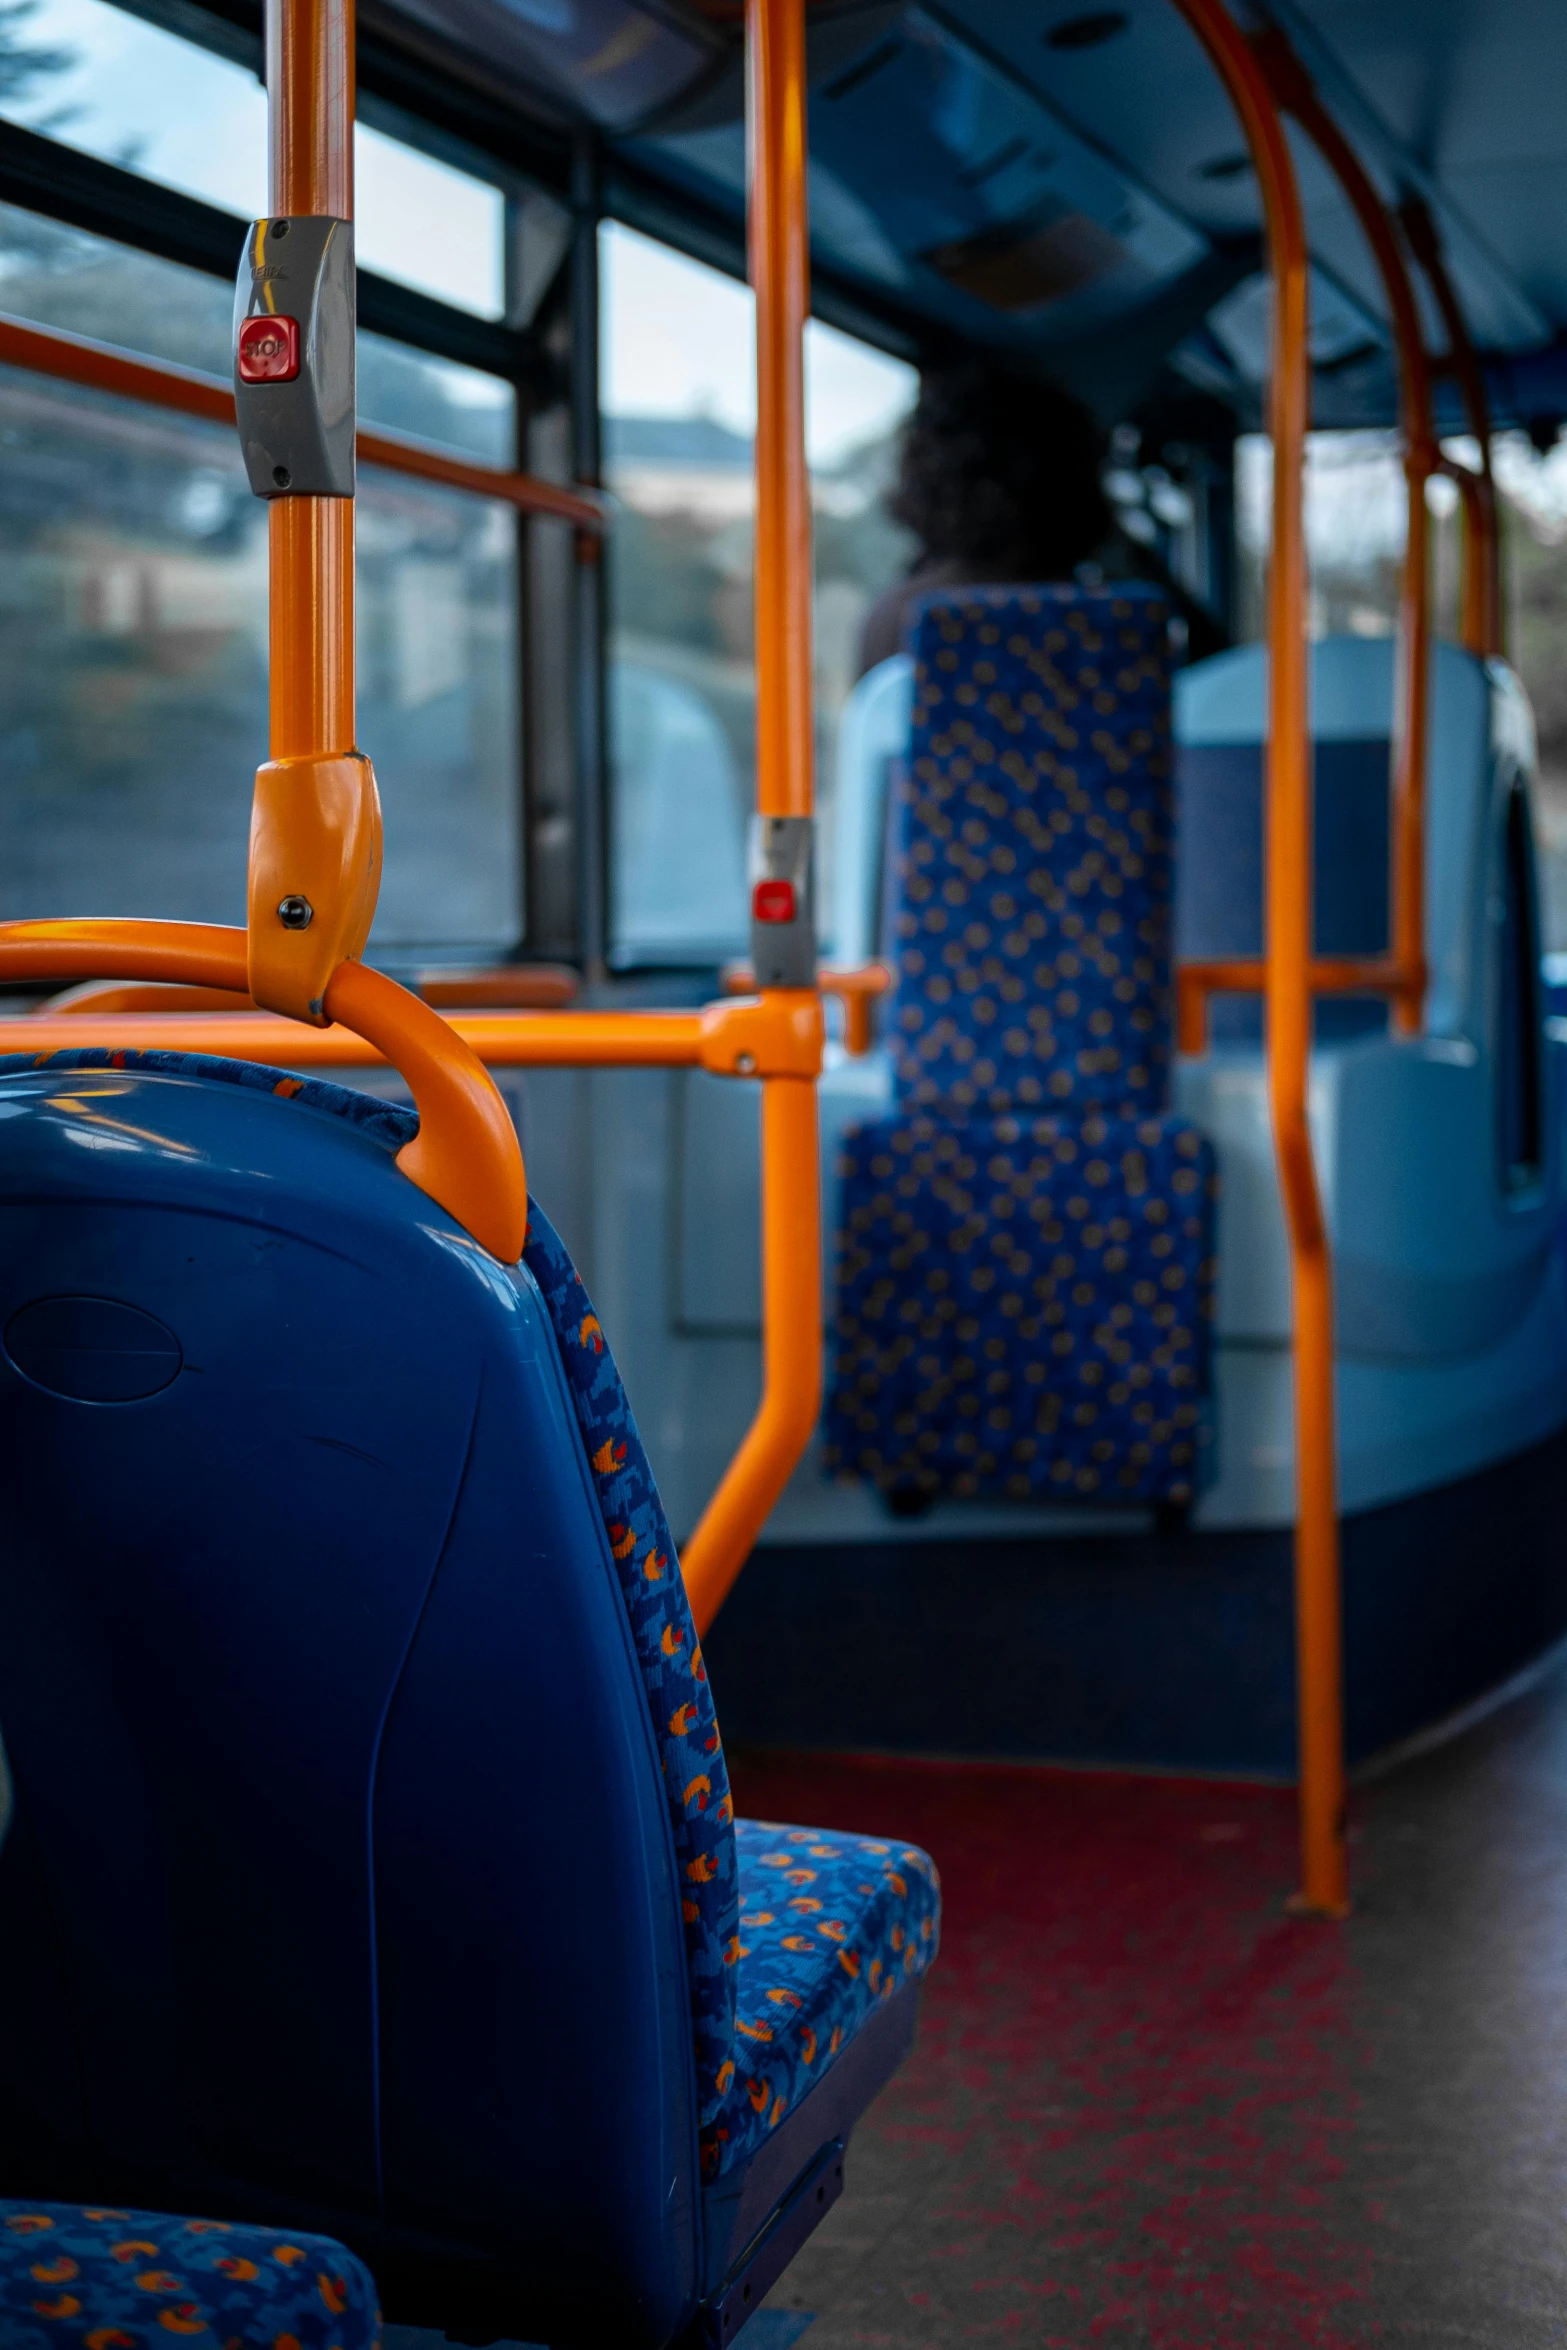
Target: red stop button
x=268 y=350
x=773 y=901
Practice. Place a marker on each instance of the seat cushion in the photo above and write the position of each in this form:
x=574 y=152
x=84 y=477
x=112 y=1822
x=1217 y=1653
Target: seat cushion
x=1023 y=1308
x=1029 y=914
x=137 y=2280
x=830 y=1925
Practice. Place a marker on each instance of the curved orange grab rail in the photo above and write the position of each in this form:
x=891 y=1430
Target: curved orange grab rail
x=1319 y=1639
x=1405 y=979
x=68 y=358
x=466 y=1155
x=791 y=1349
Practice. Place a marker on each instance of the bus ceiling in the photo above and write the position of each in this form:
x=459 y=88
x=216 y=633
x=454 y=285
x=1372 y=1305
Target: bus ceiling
x=1063 y=185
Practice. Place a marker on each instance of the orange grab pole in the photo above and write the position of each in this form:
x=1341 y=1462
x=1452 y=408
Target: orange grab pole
x=1318 y=1610
x=1295 y=92
x=1479 y=521
x=310 y=79
x=1480 y=625
x=780 y=280
x=791 y=1206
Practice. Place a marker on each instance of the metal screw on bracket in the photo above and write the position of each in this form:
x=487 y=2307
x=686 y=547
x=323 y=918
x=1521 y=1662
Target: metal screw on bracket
x=295 y=913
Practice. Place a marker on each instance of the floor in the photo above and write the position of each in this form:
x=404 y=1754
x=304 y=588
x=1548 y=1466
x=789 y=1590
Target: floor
x=1147 y=2107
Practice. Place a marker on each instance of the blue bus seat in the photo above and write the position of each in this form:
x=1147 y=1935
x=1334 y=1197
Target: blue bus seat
x=122 y=2280
x=1025 y=1257
x=372 y=1865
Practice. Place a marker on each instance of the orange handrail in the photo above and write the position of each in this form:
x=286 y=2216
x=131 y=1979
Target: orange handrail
x=777 y=1035
x=791 y=1202
x=1405 y=977
x=1195 y=982
x=1480 y=625
x=466 y=1154
x=1318 y=1607
x=77 y=359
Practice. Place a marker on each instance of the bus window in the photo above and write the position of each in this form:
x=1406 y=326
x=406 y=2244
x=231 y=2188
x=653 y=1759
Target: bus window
x=117 y=87
x=133 y=700
x=1518 y=1003
x=679 y=395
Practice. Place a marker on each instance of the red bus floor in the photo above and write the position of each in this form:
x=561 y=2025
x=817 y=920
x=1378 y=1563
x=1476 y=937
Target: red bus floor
x=1148 y=2107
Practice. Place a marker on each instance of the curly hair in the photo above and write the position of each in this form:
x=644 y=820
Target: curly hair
x=994 y=464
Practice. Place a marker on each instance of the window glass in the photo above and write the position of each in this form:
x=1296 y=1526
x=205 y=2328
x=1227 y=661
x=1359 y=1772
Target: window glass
x=133 y=665
x=1355 y=517
x=1518 y=1003
x=52 y=275
x=1533 y=483
x=128 y=91
x=680 y=402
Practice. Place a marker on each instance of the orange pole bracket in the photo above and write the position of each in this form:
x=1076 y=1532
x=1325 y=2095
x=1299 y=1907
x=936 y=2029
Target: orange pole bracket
x=1318 y=1604
x=855 y=986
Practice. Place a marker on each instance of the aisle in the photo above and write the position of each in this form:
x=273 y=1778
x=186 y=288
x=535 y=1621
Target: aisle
x=1149 y=2108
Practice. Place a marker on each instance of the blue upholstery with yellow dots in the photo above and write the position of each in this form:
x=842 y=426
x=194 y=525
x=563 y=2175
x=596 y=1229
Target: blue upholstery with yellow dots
x=450 y=1612
x=75 y=2278
x=1024 y=1274
x=1031 y=854
x=1023 y=1306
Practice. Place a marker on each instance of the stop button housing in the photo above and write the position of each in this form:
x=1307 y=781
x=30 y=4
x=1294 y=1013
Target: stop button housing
x=294 y=357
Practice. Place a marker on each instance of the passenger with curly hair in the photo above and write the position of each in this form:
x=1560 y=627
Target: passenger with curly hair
x=999 y=479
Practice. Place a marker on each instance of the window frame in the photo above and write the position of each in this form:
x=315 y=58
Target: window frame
x=42 y=175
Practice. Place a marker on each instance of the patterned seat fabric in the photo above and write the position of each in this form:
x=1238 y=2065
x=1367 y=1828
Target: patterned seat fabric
x=680 y=1698
x=830 y=1926
x=74 y=2279
x=1031 y=854
x=1025 y=1250
x=1023 y=1307
x=773 y=1999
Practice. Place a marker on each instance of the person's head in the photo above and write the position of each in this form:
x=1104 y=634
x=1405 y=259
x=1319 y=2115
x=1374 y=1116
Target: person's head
x=998 y=467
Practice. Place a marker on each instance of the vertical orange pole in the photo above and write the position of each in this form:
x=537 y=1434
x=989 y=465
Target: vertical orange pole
x=1480 y=624
x=310 y=86
x=1318 y=1629
x=780 y=279
x=785 y=786
x=1293 y=89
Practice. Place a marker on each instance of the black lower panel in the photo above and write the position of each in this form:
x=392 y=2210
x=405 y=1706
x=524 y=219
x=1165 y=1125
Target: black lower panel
x=1175 y=1650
